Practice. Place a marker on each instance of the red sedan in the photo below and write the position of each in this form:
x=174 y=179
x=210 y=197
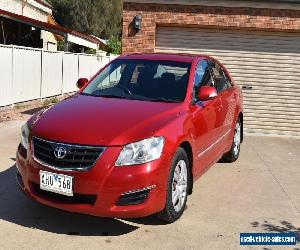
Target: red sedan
x=133 y=140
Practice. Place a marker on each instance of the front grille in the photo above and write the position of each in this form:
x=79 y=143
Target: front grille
x=75 y=199
x=75 y=157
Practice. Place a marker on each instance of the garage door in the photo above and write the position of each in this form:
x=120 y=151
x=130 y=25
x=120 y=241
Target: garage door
x=265 y=64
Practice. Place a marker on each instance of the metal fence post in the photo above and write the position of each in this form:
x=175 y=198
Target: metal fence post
x=78 y=66
x=12 y=77
x=62 y=74
x=41 y=83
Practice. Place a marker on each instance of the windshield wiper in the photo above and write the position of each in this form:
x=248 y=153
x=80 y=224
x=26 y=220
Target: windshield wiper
x=163 y=99
x=114 y=96
x=82 y=93
x=138 y=98
x=105 y=96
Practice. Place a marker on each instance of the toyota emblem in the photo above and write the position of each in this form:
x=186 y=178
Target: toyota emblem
x=60 y=152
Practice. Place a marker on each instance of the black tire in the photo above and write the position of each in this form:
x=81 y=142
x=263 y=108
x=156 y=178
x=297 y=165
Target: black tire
x=233 y=154
x=169 y=214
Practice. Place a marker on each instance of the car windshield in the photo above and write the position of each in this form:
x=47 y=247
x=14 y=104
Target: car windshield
x=146 y=80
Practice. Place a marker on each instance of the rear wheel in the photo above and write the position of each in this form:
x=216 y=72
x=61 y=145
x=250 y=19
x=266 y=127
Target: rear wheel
x=178 y=183
x=234 y=152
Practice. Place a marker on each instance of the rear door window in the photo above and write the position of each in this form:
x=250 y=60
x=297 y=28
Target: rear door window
x=221 y=82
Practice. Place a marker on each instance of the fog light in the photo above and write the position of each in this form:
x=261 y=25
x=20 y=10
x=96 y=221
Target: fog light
x=134 y=197
x=22 y=151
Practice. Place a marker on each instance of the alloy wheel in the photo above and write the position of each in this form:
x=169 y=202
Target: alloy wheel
x=179 y=185
x=237 y=138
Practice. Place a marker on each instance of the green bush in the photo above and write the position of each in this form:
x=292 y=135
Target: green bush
x=114 y=46
x=50 y=101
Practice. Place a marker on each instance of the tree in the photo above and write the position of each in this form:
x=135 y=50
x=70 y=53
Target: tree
x=101 y=18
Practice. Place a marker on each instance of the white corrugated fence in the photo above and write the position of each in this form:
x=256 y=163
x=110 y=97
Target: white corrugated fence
x=28 y=73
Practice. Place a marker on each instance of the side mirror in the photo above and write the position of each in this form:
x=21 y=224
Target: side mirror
x=206 y=93
x=81 y=82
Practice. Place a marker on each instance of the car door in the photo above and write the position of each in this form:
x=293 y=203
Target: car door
x=227 y=98
x=205 y=119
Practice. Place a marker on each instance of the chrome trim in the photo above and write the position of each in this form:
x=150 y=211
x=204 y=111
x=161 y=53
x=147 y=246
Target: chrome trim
x=139 y=190
x=68 y=145
x=216 y=142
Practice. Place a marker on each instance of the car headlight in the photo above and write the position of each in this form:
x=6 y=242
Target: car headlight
x=24 y=135
x=141 y=152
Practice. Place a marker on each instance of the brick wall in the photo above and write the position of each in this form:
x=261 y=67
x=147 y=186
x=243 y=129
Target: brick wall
x=199 y=16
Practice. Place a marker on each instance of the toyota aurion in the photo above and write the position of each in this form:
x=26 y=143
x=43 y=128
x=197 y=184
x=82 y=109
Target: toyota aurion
x=133 y=140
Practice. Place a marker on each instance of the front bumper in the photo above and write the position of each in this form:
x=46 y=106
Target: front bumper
x=105 y=182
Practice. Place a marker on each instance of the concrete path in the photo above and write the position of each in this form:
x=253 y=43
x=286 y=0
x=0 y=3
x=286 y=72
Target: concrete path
x=259 y=193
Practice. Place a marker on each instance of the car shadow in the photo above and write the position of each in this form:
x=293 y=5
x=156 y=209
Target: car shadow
x=18 y=209
x=152 y=220
x=282 y=227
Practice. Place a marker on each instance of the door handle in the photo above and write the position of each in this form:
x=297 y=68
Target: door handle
x=247 y=87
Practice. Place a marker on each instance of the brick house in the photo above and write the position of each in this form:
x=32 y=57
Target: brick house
x=258 y=41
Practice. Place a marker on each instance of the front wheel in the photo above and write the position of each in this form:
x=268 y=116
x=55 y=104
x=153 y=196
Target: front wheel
x=178 y=183
x=234 y=152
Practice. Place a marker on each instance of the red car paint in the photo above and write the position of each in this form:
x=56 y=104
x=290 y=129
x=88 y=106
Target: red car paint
x=113 y=123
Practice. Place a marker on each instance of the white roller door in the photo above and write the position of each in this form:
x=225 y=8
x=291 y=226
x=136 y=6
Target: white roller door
x=267 y=63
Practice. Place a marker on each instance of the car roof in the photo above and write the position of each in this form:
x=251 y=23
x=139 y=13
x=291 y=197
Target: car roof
x=165 y=57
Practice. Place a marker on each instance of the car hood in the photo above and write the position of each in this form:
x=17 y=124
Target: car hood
x=92 y=120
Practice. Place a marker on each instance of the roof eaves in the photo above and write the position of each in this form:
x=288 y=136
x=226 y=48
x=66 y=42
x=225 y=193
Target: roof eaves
x=54 y=28
x=44 y=3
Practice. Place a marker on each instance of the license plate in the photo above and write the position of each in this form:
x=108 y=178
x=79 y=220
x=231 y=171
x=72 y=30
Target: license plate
x=56 y=183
